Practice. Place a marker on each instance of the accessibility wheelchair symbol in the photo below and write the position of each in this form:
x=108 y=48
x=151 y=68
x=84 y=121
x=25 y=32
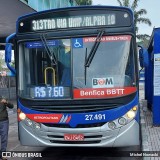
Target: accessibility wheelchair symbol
x=77 y=42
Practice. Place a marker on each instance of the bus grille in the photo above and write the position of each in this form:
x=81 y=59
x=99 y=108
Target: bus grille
x=77 y=106
x=74 y=109
x=75 y=142
x=78 y=126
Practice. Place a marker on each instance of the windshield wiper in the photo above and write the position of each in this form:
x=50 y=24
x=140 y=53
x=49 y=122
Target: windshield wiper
x=94 y=48
x=51 y=56
x=85 y=70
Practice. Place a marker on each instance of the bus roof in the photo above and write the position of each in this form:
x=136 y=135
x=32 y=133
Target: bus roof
x=75 y=8
x=81 y=16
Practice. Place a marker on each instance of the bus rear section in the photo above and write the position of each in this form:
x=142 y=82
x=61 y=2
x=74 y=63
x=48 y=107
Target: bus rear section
x=80 y=88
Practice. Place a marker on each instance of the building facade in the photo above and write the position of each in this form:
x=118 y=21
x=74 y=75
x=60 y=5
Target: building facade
x=40 y=5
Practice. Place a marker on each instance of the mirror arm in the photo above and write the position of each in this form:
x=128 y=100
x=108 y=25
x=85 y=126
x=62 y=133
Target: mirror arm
x=10 y=37
x=141 y=57
x=7 y=61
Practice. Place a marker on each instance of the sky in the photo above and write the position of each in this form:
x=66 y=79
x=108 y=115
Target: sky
x=153 y=12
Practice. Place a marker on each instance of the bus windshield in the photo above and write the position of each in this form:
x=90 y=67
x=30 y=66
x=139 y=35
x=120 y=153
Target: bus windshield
x=45 y=69
x=111 y=67
x=113 y=60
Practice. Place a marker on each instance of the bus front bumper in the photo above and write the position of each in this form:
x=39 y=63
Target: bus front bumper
x=127 y=135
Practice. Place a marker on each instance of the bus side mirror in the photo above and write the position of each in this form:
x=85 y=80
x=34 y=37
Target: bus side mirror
x=141 y=57
x=8 y=52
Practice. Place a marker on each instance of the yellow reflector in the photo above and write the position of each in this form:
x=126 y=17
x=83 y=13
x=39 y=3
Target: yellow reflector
x=134 y=108
x=18 y=110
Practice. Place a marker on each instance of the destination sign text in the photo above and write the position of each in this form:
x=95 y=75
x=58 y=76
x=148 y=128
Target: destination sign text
x=72 y=22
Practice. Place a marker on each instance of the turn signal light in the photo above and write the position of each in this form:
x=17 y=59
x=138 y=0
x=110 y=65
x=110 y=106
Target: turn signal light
x=134 y=108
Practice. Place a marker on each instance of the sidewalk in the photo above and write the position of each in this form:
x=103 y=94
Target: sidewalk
x=150 y=133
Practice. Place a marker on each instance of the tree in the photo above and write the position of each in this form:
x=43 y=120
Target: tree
x=144 y=43
x=2 y=63
x=138 y=16
x=84 y=2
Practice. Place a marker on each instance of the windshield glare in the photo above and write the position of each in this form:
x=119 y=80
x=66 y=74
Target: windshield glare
x=111 y=67
x=113 y=62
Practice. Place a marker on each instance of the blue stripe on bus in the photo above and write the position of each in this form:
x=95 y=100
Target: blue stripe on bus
x=80 y=118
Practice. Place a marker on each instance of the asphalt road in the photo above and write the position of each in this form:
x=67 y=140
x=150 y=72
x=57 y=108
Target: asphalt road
x=55 y=153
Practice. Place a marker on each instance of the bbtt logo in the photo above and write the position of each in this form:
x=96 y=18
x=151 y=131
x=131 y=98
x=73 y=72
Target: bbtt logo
x=102 y=82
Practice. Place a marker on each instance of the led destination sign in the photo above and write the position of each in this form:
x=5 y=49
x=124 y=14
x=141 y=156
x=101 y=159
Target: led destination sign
x=74 y=21
x=90 y=17
x=41 y=92
x=49 y=92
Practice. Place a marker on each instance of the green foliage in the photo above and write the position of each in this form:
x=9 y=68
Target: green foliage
x=138 y=15
x=144 y=41
x=13 y=64
x=84 y=2
x=2 y=62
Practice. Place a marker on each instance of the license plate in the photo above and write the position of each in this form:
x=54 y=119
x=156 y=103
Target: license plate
x=73 y=137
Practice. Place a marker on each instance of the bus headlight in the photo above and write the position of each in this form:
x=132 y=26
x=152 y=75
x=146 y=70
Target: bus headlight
x=111 y=125
x=28 y=122
x=131 y=114
x=122 y=121
x=125 y=119
x=22 y=116
x=37 y=125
